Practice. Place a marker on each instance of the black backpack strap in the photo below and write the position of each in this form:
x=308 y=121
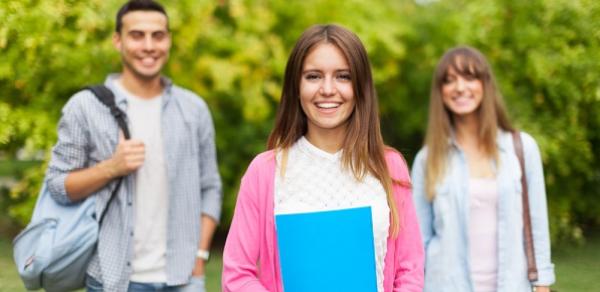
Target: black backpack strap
x=107 y=97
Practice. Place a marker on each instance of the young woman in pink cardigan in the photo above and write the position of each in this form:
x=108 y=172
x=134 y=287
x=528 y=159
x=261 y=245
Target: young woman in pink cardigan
x=326 y=153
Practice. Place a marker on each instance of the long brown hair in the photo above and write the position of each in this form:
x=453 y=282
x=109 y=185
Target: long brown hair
x=465 y=61
x=363 y=147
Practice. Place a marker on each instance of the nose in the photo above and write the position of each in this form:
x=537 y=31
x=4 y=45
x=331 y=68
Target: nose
x=328 y=87
x=460 y=84
x=148 y=43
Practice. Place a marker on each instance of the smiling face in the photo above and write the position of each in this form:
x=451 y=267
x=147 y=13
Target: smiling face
x=144 y=43
x=326 y=90
x=461 y=93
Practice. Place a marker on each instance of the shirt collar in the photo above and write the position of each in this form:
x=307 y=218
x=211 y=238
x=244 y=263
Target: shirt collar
x=121 y=100
x=503 y=140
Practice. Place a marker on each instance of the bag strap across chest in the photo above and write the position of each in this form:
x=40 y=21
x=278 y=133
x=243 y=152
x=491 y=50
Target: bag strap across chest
x=106 y=97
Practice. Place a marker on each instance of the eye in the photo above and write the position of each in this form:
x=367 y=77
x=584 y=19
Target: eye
x=344 y=76
x=136 y=35
x=312 y=76
x=159 y=35
x=470 y=77
x=449 y=79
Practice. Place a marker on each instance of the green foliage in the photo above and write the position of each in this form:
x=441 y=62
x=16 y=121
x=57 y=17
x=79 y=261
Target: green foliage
x=233 y=53
x=544 y=56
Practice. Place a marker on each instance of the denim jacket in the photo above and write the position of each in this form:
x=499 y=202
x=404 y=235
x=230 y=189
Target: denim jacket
x=444 y=221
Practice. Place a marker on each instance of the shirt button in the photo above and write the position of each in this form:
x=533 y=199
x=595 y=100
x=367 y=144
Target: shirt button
x=128 y=264
x=131 y=233
x=129 y=204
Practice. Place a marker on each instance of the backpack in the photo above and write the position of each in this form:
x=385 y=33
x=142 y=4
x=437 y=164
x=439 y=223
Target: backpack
x=55 y=248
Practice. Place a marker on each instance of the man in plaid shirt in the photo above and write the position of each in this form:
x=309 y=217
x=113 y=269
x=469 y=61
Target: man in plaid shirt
x=157 y=232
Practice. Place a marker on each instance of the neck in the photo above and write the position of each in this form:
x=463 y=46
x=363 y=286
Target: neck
x=328 y=140
x=144 y=88
x=467 y=130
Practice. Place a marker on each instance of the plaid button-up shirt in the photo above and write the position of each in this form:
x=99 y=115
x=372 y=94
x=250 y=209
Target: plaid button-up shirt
x=88 y=134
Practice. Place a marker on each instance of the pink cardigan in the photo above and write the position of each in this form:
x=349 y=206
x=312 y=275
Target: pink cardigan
x=251 y=258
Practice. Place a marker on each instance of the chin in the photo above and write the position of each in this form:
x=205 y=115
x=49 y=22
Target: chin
x=463 y=110
x=148 y=75
x=149 y=71
x=330 y=126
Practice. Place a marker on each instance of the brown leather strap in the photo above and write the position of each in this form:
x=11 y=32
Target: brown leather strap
x=532 y=273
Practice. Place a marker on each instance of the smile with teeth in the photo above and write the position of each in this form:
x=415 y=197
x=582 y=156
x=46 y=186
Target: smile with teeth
x=328 y=105
x=148 y=61
x=462 y=99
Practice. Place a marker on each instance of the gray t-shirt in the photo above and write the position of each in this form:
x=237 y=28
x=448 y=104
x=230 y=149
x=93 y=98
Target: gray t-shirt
x=151 y=190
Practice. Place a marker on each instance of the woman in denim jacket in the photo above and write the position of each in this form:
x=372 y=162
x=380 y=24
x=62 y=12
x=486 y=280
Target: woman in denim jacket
x=467 y=188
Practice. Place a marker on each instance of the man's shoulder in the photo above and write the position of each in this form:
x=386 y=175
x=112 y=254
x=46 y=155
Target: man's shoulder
x=82 y=100
x=188 y=97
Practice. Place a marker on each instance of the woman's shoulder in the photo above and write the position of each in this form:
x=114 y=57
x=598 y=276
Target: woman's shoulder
x=392 y=154
x=396 y=163
x=260 y=171
x=530 y=146
x=421 y=155
x=528 y=140
x=529 y=143
x=263 y=160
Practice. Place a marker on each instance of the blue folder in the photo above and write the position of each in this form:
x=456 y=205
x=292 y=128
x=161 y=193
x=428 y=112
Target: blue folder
x=327 y=251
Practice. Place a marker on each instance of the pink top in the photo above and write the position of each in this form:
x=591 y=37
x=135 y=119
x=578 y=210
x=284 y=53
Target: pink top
x=483 y=233
x=251 y=257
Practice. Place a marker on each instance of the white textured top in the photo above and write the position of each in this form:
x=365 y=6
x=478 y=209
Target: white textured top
x=315 y=181
x=151 y=193
x=483 y=233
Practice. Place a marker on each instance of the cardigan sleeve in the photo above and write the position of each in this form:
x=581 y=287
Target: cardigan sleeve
x=241 y=252
x=410 y=257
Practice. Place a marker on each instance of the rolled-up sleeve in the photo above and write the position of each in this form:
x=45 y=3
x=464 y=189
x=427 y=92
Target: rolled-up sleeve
x=70 y=152
x=212 y=195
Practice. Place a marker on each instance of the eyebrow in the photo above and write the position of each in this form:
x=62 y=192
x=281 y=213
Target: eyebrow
x=144 y=31
x=320 y=71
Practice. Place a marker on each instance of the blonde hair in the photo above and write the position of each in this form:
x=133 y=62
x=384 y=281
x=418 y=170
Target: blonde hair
x=465 y=61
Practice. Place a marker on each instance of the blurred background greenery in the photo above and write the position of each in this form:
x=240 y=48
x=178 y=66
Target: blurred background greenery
x=546 y=56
